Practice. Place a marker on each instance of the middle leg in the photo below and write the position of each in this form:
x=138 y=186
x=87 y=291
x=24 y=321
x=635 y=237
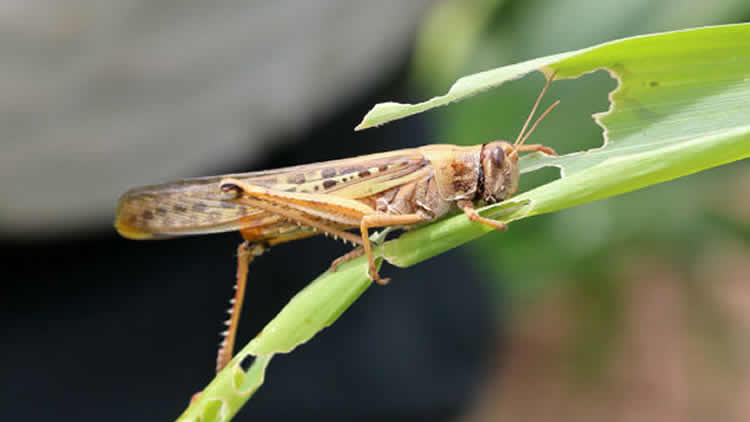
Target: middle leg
x=382 y=220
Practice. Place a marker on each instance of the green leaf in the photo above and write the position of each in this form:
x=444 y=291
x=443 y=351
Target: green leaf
x=315 y=307
x=682 y=105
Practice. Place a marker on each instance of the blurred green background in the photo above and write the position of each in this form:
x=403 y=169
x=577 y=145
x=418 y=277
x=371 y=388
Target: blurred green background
x=636 y=305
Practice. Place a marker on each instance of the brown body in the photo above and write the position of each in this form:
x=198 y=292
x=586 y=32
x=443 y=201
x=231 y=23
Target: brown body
x=427 y=181
x=397 y=188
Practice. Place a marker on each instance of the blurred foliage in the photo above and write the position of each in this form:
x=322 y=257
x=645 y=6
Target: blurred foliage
x=586 y=250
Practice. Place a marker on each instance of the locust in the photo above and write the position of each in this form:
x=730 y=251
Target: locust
x=401 y=188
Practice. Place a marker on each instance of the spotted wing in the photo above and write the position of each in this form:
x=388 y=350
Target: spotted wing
x=196 y=206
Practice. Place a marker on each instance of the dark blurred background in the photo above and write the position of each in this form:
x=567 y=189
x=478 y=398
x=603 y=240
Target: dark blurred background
x=633 y=308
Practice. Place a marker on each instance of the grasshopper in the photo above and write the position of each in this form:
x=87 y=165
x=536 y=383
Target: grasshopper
x=398 y=188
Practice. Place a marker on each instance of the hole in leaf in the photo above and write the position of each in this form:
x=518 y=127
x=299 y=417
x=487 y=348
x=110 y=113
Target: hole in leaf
x=570 y=127
x=538 y=177
x=247 y=362
x=500 y=113
x=211 y=410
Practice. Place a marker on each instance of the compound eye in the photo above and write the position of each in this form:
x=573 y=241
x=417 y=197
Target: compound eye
x=498 y=156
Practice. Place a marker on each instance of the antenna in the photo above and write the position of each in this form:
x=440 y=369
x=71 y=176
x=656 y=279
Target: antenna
x=523 y=135
x=536 y=123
